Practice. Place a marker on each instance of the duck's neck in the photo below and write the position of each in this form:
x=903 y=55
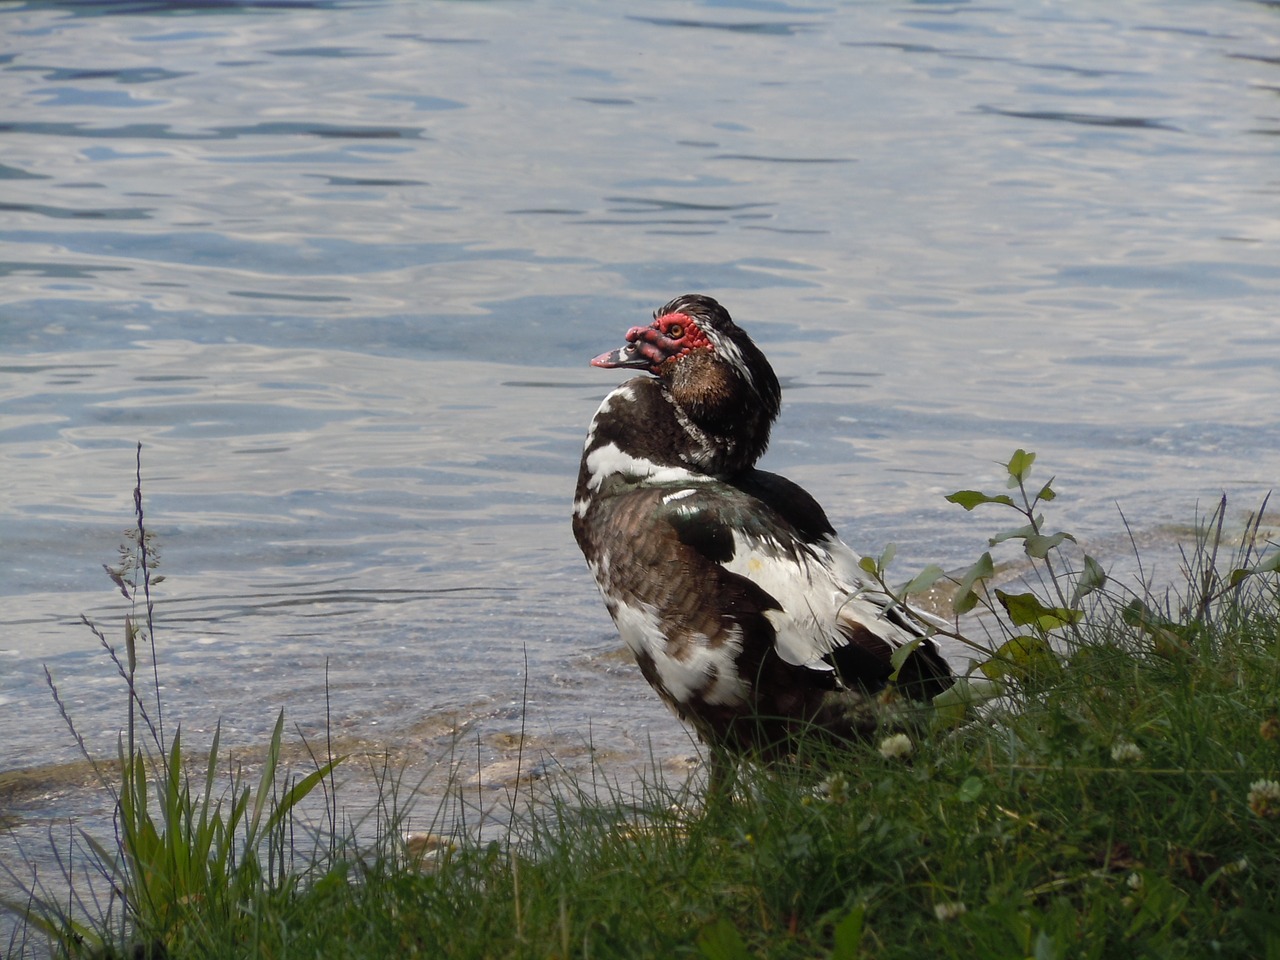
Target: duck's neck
x=725 y=415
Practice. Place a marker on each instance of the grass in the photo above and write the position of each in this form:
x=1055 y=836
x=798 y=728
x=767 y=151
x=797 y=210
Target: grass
x=1106 y=785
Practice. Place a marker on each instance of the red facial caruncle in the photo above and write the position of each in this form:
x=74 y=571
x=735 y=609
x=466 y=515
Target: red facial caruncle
x=669 y=337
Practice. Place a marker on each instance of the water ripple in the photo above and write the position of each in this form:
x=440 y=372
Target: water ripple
x=164 y=131
x=65 y=213
x=1086 y=119
x=762 y=28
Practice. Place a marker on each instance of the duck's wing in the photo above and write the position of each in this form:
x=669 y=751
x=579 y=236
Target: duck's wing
x=768 y=542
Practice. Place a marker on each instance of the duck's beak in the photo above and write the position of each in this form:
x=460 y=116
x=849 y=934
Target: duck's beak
x=627 y=357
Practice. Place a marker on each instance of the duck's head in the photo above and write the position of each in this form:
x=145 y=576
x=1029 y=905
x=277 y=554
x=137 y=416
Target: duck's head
x=710 y=369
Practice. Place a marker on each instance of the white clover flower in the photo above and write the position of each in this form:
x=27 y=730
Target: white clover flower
x=1264 y=799
x=949 y=910
x=1134 y=881
x=834 y=789
x=897 y=746
x=1123 y=751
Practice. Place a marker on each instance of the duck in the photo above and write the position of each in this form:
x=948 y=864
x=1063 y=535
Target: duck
x=746 y=613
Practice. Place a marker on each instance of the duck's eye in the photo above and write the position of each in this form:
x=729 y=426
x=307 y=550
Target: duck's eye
x=675 y=331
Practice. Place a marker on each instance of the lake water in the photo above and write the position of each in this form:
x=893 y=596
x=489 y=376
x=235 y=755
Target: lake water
x=339 y=267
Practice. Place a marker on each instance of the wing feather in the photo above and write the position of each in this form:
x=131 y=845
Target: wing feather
x=823 y=615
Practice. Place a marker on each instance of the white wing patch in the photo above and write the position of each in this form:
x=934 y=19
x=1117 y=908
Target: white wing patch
x=816 y=592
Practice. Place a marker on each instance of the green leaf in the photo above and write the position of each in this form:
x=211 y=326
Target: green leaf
x=1090 y=579
x=1038 y=545
x=969 y=790
x=1025 y=609
x=886 y=557
x=966 y=597
x=210 y=772
x=1021 y=533
x=721 y=941
x=868 y=566
x=899 y=656
x=295 y=794
x=848 y=934
x=266 y=780
x=975 y=498
x=923 y=580
x=1048 y=947
x=1268 y=564
x=1019 y=466
x=1021 y=658
x=1046 y=493
x=952 y=705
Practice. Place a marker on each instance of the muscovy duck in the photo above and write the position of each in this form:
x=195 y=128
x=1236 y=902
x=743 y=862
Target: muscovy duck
x=745 y=612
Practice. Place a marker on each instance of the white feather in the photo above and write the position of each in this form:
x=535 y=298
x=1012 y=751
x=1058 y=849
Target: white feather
x=681 y=677
x=816 y=592
x=609 y=459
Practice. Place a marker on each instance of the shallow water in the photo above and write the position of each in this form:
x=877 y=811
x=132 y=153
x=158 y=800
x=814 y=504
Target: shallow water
x=339 y=266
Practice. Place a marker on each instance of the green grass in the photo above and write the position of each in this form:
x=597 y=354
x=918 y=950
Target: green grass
x=1017 y=837
x=1103 y=788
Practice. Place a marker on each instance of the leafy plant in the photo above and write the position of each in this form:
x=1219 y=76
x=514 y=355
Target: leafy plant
x=184 y=856
x=1035 y=631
